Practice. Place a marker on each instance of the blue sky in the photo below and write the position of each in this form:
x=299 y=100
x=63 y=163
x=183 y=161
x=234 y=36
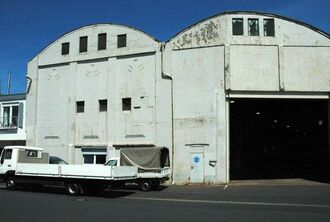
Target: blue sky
x=28 y=26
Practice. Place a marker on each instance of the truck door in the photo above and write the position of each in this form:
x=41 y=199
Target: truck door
x=6 y=162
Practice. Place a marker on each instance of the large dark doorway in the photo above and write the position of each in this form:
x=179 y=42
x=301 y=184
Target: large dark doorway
x=275 y=139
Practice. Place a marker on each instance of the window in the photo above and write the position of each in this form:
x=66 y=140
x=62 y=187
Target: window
x=32 y=153
x=112 y=163
x=65 y=48
x=9 y=117
x=102 y=41
x=269 y=27
x=83 y=44
x=103 y=105
x=126 y=104
x=121 y=40
x=80 y=106
x=237 y=24
x=94 y=155
x=253 y=27
x=8 y=153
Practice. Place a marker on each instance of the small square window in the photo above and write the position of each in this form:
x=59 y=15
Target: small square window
x=269 y=27
x=253 y=27
x=65 y=48
x=102 y=41
x=237 y=24
x=121 y=40
x=83 y=44
x=80 y=106
x=103 y=105
x=127 y=103
x=32 y=153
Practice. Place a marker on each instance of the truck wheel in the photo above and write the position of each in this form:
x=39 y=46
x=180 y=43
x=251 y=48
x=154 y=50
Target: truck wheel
x=74 y=189
x=11 y=183
x=146 y=185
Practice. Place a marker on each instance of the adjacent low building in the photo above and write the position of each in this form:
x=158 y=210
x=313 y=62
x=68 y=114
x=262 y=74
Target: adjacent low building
x=12 y=120
x=240 y=95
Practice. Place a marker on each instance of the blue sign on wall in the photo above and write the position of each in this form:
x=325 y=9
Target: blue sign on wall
x=197 y=159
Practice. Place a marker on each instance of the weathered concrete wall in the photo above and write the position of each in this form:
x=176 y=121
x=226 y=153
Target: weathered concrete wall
x=197 y=86
x=197 y=71
x=306 y=68
x=59 y=81
x=254 y=68
x=208 y=62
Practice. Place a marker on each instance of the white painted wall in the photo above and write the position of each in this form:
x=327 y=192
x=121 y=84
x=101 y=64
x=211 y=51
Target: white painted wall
x=207 y=63
x=59 y=81
x=203 y=64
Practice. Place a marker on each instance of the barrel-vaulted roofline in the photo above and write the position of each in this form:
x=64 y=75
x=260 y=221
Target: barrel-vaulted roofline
x=94 y=25
x=327 y=35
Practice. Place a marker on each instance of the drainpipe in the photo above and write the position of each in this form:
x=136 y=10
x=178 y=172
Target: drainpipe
x=164 y=74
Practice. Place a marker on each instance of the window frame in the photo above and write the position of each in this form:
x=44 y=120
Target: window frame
x=124 y=105
x=273 y=26
x=257 y=31
x=78 y=108
x=122 y=41
x=9 y=121
x=102 y=41
x=65 y=50
x=83 y=44
x=103 y=107
x=232 y=25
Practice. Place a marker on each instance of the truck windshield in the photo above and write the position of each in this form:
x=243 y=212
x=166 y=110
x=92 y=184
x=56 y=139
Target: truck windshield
x=111 y=163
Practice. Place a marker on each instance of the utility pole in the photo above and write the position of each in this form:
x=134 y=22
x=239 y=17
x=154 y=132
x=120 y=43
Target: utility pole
x=8 y=83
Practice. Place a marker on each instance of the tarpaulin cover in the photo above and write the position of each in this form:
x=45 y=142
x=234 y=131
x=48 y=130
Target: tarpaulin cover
x=145 y=158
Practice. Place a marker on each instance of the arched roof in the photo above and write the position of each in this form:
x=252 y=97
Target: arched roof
x=92 y=25
x=327 y=35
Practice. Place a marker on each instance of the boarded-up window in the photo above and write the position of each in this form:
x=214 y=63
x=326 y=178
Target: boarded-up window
x=80 y=106
x=83 y=44
x=269 y=27
x=127 y=104
x=253 y=27
x=102 y=41
x=121 y=40
x=237 y=24
x=65 y=48
x=103 y=105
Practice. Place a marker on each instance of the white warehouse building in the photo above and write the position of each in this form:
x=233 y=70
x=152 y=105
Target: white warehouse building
x=240 y=95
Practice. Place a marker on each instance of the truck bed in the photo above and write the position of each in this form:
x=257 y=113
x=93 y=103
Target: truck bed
x=77 y=171
x=163 y=173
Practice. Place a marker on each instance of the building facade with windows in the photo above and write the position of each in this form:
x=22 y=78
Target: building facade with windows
x=239 y=95
x=12 y=120
x=96 y=89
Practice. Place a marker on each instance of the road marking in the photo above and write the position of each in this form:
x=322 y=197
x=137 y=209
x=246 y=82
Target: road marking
x=230 y=202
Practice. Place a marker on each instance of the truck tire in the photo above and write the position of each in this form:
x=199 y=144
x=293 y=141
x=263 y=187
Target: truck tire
x=146 y=185
x=74 y=189
x=11 y=183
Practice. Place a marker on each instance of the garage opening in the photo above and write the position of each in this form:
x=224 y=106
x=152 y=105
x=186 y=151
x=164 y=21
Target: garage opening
x=279 y=139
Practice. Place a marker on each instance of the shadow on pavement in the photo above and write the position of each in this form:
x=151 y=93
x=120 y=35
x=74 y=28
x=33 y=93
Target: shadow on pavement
x=107 y=193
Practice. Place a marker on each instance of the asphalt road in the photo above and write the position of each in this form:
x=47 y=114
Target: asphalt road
x=173 y=203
